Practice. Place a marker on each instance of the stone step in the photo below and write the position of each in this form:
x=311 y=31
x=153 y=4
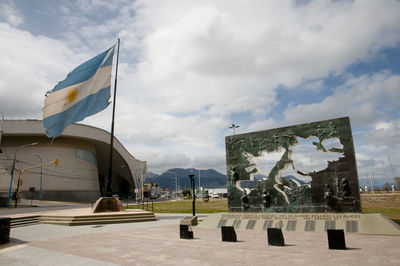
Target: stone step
x=101 y=221
x=86 y=217
x=24 y=221
x=121 y=217
x=95 y=218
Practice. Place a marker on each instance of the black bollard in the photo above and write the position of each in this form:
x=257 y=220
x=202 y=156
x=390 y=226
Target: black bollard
x=228 y=234
x=336 y=239
x=275 y=237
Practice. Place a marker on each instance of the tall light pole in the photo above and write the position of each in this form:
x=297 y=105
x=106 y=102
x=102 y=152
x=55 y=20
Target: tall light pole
x=201 y=192
x=13 y=168
x=176 y=184
x=143 y=187
x=35 y=154
x=138 y=182
x=234 y=127
x=1 y=125
x=29 y=168
x=191 y=176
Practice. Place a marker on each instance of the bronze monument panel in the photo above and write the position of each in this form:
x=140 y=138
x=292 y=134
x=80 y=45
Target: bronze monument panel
x=303 y=168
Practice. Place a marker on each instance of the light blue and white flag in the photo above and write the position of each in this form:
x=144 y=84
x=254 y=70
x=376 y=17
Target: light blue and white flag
x=85 y=92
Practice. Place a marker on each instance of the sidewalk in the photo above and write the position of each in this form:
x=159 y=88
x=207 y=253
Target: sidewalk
x=158 y=243
x=25 y=207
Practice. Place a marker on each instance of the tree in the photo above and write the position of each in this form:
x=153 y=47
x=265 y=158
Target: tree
x=397 y=181
x=207 y=196
x=386 y=186
x=187 y=192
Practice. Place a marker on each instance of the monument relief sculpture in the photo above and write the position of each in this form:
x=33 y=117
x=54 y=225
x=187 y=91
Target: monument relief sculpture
x=302 y=168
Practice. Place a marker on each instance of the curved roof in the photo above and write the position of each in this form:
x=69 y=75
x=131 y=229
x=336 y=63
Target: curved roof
x=99 y=137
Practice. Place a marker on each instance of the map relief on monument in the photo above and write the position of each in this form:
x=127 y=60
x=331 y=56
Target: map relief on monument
x=302 y=168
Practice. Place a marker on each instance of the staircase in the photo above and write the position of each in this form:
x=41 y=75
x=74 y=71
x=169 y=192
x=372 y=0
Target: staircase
x=87 y=218
x=98 y=219
x=24 y=221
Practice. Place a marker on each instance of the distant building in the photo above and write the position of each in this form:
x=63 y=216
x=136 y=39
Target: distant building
x=151 y=190
x=218 y=192
x=83 y=154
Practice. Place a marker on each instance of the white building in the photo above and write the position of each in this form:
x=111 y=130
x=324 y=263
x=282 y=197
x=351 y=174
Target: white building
x=83 y=154
x=217 y=192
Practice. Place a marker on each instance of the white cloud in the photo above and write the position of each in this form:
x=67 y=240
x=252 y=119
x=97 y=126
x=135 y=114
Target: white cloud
x=265 y=162
x=29 y=67
x=308 y=158
x=187 y=67
x=89 y=6
x=385 y=134
x=366 y=99
x=10 y=14
x=261 y=125
x=315 y=86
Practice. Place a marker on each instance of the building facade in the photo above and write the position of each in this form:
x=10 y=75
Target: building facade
x=81 y=174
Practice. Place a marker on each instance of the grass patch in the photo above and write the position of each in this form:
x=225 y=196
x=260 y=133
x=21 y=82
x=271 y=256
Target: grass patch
x=386 y=204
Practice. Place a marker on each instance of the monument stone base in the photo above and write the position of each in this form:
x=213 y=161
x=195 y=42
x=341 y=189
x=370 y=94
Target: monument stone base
x=356 y=223
x=108 y=204
x=189 y=220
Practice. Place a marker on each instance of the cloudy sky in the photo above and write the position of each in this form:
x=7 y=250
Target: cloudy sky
x=189 y=69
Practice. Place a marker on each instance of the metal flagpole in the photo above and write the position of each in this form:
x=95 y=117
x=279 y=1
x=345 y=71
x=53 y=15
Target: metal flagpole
x=109 y=182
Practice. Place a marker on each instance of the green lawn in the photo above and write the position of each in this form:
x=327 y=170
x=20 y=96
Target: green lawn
x=387 y=204
x=185 y=206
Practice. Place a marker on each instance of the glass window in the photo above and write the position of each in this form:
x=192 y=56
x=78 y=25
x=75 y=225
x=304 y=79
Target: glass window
x=87 y=156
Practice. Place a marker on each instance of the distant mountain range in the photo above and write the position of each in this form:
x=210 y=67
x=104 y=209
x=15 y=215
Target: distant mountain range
x=208 y=178
x=213 y=179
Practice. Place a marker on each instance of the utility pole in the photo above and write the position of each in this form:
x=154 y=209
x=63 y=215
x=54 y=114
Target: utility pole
x=233 y=128
x=372 y=180
x=19 y=183
x=13 y=168
x=1 y=126
x=41 y=173
x=191 y=176
x=391 y=166
x=201 y=193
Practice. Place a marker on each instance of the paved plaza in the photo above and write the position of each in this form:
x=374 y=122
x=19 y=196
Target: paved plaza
x=158 y=243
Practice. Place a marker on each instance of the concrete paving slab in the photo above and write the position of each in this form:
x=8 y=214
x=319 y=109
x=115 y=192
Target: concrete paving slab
x=39 y=256
x=41 y=206
x=158 y=243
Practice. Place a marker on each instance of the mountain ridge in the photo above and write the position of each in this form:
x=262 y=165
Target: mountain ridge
x=209 y=178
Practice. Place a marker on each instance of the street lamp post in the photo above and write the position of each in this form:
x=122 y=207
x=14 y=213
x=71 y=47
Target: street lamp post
x=29 y=168
x=138 y=182
x=191 y=176
x=201 y=192
x=13 y=168
x=1 y=125
x=234 y=127
x=142 y=187
x=41 y=173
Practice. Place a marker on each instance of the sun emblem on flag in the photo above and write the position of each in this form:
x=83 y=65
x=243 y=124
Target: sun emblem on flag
x=71 y=95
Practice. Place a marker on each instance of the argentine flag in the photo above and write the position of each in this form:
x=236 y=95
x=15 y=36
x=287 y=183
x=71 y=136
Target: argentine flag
x=85 y=92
